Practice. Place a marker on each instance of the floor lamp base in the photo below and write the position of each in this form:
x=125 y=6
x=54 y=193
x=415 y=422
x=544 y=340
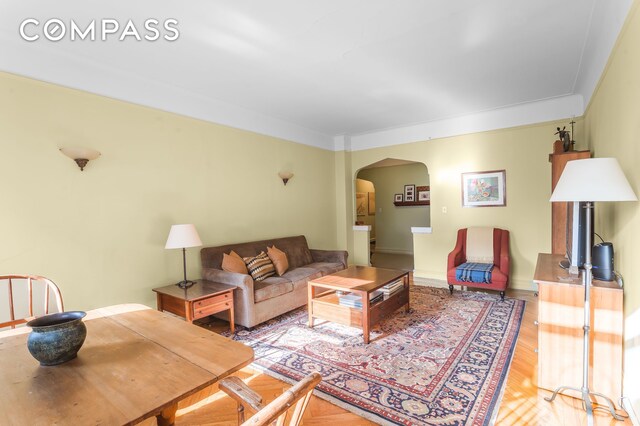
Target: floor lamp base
x=185 y=284
x=587 y=405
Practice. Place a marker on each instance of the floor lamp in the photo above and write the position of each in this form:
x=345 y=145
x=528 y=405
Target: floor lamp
x=183 y=236
x=590 y=180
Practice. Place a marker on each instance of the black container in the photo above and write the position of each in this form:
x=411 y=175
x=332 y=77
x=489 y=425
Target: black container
x=602 y=261
x=56 y=338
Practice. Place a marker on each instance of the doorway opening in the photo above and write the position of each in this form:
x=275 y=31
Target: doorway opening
x=378 y=188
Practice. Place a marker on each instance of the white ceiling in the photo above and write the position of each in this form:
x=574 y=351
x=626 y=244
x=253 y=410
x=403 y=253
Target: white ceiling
x=310 y=70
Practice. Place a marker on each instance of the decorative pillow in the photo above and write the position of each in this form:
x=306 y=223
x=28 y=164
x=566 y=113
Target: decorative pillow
x=232 y=262
x=260 y=266
x=279 y=259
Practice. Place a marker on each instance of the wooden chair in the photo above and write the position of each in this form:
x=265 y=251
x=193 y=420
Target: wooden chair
x=298 y=395
x=49 y=288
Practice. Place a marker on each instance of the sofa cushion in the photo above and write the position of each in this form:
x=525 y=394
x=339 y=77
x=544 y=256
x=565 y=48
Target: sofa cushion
x=232 y=262
x=300 y=276
x=260 y=266
x=271 y=287
x=279 y=259
x=326 y=268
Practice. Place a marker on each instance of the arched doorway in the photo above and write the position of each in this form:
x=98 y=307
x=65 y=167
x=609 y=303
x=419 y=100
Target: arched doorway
x=391 y=221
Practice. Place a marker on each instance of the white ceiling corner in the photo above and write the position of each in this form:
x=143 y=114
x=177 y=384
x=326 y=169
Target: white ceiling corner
x=605 y=24
x=337 y=74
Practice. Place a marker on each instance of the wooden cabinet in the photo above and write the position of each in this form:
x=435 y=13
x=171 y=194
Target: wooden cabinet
x=560 y=332
x=559 y=210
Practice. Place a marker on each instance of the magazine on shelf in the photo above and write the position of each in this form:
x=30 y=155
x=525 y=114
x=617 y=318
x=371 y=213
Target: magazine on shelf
x=353 y=300
x=392 y=288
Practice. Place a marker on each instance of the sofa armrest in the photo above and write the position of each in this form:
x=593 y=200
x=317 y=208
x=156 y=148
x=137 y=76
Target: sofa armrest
x=332 y=256
x=242 y=281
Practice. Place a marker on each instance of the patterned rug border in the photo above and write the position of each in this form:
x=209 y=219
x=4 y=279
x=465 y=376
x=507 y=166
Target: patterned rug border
x=493 y=408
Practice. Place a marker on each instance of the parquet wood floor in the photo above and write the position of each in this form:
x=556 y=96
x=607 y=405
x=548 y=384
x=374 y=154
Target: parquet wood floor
x=522 y=402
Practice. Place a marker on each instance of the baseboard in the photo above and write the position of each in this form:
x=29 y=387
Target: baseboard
x=430 y=282
x=442 y=283
x=518 y=284
x=392 y=251
x=628 y=407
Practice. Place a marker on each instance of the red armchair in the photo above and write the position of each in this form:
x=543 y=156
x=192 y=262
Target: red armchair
x=500 y=273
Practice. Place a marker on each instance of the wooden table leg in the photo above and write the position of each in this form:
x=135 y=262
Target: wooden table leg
x=406 y=283
x=168 y=416
x=188 y=311
x=232 y=324
x=159 y=301
x=365 y=316
x=310 y=303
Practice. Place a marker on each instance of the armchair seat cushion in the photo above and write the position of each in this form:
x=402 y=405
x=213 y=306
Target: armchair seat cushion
x=474 y=272
x=271 y=287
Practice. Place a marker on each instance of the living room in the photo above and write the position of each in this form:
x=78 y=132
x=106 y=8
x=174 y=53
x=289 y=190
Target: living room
x=100 y=233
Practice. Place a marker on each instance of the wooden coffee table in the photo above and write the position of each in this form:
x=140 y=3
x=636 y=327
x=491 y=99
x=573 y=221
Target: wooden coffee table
x=363 y=280
x=202 y=299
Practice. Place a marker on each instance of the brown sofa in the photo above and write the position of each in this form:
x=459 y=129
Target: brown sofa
x=259 y=301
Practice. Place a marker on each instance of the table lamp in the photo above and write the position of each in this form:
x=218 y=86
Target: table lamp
x=589 y=180
x=183 y=236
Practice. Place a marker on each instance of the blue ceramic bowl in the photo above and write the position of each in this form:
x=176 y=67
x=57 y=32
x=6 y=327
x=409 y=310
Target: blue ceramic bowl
x=56 y=338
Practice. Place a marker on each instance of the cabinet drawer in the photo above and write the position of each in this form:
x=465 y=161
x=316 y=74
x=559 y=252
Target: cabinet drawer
x=212 y=301
x=211 y=309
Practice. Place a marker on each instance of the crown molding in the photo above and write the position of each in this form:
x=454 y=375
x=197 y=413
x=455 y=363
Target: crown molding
x=517 y=115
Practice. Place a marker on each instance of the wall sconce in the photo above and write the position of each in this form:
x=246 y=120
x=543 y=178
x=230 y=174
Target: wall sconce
x=80 y=155
x=285 y=176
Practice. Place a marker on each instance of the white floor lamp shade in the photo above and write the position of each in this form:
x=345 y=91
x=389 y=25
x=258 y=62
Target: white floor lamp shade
x=182 y=237
x=593 y=179
x=589 y=180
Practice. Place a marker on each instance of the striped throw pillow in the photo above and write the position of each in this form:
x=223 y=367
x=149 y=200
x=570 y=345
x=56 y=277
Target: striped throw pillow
x=260 y=266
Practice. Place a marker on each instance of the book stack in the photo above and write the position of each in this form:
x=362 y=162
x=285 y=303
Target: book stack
x=353 y=300
x=392 y=288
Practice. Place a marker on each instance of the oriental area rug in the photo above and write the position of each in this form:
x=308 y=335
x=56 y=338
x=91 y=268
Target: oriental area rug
x=443 y=363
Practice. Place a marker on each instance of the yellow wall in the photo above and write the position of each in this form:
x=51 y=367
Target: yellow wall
x=100 y=234
x=523 y=152
x=394 y=223
x=612 y=128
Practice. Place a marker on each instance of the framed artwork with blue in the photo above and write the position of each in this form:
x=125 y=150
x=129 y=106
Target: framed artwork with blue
x=484 y=189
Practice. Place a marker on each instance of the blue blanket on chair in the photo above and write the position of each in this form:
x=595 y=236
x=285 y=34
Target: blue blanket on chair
x=474 y=272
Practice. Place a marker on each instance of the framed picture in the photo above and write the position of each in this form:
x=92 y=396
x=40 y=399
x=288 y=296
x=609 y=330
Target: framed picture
x=361 y=203
x=397 y=198
x=371 y=196
x=424 y=193
x=409 y=193
x=484 y=189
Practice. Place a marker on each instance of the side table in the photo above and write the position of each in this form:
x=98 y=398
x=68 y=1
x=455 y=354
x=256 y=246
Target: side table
x=202 y=299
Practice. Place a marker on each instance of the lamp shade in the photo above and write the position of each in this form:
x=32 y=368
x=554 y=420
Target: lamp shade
x=593 y=179
x=76 y=152
x=183 y=236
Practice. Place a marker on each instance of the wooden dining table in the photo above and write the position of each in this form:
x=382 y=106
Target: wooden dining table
x=135 y=363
